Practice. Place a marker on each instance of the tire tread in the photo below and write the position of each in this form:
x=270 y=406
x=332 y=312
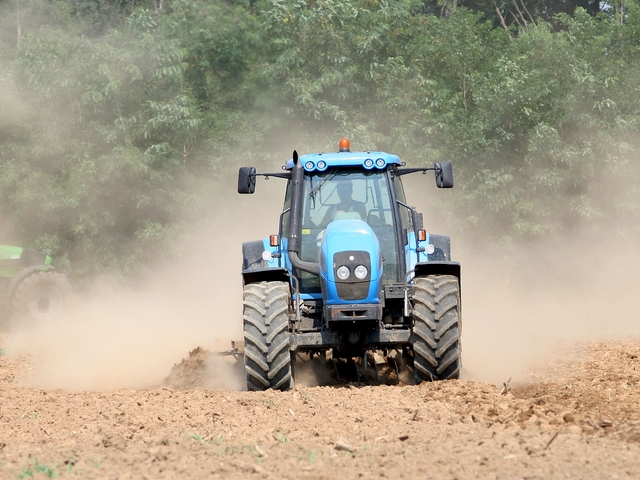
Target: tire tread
x=436 y=328
x=266 y=308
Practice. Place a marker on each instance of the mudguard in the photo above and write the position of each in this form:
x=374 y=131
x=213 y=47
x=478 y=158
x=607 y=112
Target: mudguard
x=255 y=268
x=252 y=255
x=438 y=268
x=15 y=281
x=441 y=248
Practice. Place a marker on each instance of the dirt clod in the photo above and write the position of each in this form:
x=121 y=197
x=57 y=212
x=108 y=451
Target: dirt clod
x=191 y=371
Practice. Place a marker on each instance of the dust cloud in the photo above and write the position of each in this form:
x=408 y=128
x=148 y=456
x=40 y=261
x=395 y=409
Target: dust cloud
x=12 y=110
x=521 y=313
x=119 y=337
x=540 y=298
x=518 y=308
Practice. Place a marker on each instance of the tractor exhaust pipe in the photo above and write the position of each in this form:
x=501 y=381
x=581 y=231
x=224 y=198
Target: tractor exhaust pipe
x=295 y=229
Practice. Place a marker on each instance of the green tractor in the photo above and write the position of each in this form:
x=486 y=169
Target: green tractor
x=29 y=285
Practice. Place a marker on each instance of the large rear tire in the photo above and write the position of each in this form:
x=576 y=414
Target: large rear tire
x=436 y=328
x=42 y=296
x=267 y=357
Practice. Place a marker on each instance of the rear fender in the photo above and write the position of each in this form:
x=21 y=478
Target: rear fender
x=15 y=281
x=259 y=263
x=252 y=256
x=256 y=275
x=438 y=268
x=435 y=248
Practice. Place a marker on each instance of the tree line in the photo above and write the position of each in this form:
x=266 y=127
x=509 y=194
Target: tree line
x=117 y=118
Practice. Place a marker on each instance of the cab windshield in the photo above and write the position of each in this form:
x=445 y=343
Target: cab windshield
x=347 y=194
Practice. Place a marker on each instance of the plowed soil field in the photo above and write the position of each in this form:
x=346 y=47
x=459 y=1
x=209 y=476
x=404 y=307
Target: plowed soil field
x=577 y=418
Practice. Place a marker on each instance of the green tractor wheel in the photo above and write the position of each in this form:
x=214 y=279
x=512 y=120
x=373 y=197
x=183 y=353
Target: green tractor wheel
x=41 y=296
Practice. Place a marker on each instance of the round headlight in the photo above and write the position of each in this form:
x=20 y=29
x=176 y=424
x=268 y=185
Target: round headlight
x=380 y=162
x=309 y=165
x=361 y=271
x=321 y=165
x=368 y=163
x=343 y=272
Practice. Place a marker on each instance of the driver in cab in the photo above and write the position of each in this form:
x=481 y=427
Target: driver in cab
x=347 y=207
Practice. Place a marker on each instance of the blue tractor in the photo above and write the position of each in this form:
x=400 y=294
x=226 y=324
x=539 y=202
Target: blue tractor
x=352 y=270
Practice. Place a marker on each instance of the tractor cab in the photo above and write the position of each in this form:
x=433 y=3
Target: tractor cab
x=350 y=195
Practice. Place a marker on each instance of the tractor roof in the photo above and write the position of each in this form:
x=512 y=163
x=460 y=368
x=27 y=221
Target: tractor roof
x=368 y=160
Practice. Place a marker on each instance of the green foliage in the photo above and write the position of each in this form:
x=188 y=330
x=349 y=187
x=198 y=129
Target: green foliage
x=95 y=172
x=45 y=470
x=115 y=119
x=347 y=68
x=280 y=437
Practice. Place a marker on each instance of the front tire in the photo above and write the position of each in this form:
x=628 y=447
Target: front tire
x=267 y=357
x=436 y=328
x=42 y=296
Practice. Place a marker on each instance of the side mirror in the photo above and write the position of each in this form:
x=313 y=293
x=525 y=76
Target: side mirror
x=247 y=180
x=444 y=174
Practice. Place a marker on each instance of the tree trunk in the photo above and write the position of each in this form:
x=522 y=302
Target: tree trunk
x=18 y=24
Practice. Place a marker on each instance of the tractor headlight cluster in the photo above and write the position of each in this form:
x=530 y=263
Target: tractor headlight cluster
x=310 y=165
x=369 y=163
x=361 y=272
x=343 y=272
x=352 y=274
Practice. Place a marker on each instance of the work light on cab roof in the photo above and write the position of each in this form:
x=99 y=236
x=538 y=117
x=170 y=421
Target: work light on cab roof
x=319 y=162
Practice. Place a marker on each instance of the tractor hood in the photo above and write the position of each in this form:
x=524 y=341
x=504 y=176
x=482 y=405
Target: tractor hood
x=350 y=263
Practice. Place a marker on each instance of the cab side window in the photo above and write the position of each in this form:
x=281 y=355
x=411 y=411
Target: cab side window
x=404 y=213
